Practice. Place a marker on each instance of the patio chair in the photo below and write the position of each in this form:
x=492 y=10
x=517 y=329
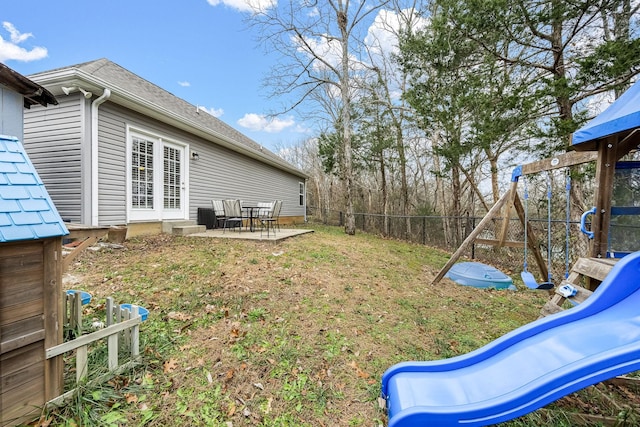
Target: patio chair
x=232 y=214
x=271 y=220
x=264 y=209
x=218 y=211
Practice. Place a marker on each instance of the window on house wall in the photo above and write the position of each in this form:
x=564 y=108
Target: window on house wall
x=302 y=194
x=172 y=178
x=142 y=173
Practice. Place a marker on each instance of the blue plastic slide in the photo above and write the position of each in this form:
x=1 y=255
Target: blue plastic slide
x=529 y=367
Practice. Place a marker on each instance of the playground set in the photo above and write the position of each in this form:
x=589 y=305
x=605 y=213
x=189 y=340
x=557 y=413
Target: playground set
x=597 y=339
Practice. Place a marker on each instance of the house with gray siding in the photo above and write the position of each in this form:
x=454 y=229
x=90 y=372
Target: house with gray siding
x=120 y=150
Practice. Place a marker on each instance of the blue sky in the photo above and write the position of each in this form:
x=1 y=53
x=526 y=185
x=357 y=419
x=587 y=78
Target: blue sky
x=199 y=50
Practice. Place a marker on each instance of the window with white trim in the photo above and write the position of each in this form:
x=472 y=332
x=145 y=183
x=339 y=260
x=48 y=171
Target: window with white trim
x=301 y=193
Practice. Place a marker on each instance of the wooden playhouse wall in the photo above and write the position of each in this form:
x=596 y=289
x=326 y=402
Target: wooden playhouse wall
x=30 y=306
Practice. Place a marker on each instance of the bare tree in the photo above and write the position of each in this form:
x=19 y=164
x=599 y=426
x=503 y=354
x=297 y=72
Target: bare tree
x=389 y=82
x=321 y=48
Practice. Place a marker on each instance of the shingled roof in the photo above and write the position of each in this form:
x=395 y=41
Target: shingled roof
x=135 y=92
x=26 y=210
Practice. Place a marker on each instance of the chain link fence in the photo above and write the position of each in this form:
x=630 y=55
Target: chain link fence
x=567 y=243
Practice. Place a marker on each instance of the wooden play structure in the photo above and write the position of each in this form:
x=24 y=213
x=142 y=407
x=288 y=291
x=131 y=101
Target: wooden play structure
x=32 y=315
x=594 y=342
x=30 y=246
x=605 y=140
x=30 y=287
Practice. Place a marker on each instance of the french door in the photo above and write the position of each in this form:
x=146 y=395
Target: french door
x=157 y=189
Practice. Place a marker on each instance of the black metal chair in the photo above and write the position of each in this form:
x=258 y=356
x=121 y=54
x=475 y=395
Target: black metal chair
x=232 y=214
x=218 y=211
x=270 y=221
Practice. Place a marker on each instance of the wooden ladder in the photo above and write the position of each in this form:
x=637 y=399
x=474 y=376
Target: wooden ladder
x=591 y=269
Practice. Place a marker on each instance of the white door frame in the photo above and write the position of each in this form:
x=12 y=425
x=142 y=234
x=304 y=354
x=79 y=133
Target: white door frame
x=149 y=197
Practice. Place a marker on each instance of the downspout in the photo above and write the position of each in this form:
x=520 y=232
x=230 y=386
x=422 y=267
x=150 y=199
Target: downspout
x=94 y=155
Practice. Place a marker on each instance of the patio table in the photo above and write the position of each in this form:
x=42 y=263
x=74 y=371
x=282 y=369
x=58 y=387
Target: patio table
x=250 y=209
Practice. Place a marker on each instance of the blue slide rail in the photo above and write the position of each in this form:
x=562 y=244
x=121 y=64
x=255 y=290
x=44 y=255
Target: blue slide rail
x=529 y=367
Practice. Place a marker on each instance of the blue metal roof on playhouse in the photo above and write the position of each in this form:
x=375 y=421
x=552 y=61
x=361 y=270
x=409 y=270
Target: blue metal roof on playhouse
x=26 y=210
x=622 y=115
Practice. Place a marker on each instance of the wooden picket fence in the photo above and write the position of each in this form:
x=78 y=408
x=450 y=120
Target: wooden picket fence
x=122 y=330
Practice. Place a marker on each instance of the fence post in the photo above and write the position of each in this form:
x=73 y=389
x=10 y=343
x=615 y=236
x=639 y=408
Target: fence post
x=82 y=363
x=341 y=220
x=135 y=334
x=112 y=340
x=424 y=230
x=473 y=246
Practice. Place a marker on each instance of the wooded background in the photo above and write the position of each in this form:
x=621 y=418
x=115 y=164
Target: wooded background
x=429 y=114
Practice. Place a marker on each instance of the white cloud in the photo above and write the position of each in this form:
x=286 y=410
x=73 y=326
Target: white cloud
x=16 y=36
x=260 y=122
x=326 y=47
x=184 y=84
x=215 y=112
x=382 y=36
x=302 y=129
x=9 y=50
x=245 y=5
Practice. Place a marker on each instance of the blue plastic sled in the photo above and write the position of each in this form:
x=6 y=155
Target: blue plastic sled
x=478 y=275
x=529 y=367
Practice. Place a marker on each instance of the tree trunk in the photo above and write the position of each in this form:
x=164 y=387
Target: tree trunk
x=404 y=187
x=456 y=203
x=350 y=221
x=559 y=75
x=385 y=201
x=493 y=164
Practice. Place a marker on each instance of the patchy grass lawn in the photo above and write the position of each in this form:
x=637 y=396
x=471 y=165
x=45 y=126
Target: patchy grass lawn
x=294 y=334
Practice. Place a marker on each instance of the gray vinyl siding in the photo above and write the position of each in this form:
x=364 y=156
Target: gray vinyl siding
x=112 y=174
x=53 y=140
x=219 y=173
x=223 y=174
x=58 y=141
x=11 y=106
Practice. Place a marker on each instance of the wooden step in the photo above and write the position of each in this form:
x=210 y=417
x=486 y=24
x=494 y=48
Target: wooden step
x=555 y=304
x=595 y=268
x=587 y=268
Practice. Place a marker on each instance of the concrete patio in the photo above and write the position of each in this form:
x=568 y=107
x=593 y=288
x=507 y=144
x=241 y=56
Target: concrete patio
x=255 y=235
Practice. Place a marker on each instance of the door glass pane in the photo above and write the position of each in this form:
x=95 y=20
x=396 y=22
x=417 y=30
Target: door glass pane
x=172 y=181
x=142 y=174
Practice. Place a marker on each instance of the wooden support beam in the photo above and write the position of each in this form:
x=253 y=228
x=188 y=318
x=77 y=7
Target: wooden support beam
x=490 y=216
x=629 y=143
x=564 y=160
x=53 y=315
x=87 y=235
x=605 y=170
x=506 y=214
x=496 y=242
x=532 y=241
